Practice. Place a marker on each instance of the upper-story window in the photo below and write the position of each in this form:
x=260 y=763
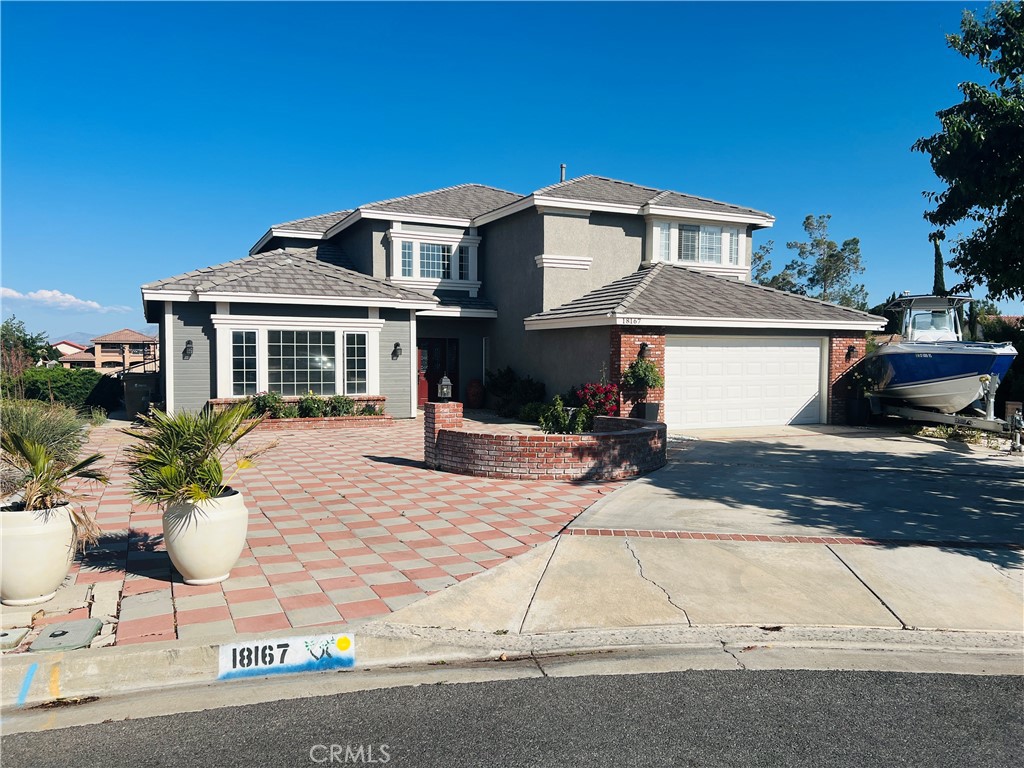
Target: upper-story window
x=434 y=258
x=698 y=244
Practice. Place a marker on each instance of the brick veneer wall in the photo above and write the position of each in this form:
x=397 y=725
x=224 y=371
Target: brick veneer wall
x=625 y=346
x=618 y=448
x=838 y=366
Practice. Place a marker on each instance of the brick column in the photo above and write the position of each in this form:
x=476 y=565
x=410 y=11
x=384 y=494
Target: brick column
x=625 y=346
x=438 y=416
x=839 y=364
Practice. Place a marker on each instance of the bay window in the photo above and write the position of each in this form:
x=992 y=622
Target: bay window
x=429 y=259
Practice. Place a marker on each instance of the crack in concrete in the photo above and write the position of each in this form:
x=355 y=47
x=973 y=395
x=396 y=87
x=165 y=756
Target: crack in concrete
x=640 y=568
x=1003 y=573
x=536 y=587
x=868 y=588
x=725 y=649
x=536 y=661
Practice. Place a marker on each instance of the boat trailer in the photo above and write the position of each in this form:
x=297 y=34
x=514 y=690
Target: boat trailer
x=988 y=423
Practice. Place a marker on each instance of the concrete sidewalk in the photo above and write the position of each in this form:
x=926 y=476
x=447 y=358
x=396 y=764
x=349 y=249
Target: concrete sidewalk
x=725 y=554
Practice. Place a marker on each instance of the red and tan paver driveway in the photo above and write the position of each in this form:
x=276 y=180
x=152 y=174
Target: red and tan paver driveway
x=345 y=524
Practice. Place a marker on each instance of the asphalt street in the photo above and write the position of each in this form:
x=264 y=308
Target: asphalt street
x=697 y=718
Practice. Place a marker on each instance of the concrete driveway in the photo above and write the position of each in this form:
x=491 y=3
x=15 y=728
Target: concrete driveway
x=825 y=482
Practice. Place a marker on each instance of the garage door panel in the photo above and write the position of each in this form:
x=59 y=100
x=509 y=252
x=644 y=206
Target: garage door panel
x=742 y=381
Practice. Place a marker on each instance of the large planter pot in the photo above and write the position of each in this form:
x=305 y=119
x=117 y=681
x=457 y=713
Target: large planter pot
x=36 y=552
x=204 y=540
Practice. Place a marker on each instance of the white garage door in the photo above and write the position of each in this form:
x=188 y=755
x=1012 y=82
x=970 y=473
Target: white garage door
x=742 y=382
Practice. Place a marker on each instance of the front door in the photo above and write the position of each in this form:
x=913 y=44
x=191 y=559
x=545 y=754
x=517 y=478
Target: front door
x=437 y=358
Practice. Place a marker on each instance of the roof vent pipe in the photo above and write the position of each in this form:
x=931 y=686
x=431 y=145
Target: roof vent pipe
x=562 y=175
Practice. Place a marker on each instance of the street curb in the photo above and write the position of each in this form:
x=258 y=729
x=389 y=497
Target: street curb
x=110 y=671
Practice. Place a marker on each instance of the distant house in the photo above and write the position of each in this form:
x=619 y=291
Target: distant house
x=66 y=347
x=566 y=284
x=114 y=352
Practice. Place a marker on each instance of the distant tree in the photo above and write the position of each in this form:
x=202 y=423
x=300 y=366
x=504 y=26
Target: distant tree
x=18 y=344
x=939 y=280
x=892 y=317
x=761 y=264
x=979 y=154
x=825 y=270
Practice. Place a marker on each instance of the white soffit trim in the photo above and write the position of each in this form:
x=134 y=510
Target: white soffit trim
x=272 y=233
x=392 y=216
x=273 y=321
x=664 y=212
x=701 y=322
x=564 y=262
x=457 y=312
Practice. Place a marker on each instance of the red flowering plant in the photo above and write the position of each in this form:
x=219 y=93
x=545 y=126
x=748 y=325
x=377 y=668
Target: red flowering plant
x=602 y=399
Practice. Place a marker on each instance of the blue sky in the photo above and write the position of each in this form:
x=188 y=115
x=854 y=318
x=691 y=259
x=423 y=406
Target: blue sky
x=142 y=140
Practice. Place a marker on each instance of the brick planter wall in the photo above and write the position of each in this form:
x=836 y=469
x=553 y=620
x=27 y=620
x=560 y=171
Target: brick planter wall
x=625 y=346
x=618 y=448
x=838 y=367
x=318 y=422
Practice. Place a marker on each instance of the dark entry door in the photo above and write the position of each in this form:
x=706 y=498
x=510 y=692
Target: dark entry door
x=438 y=357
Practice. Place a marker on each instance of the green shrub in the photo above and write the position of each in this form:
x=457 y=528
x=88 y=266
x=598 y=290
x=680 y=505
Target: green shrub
x=643 y=374
x=290 y=411
x=79 y=388
x=58 y=428
x=370 y=409
x=270 y=403
x=313 y=406
x=339 y=405
x=559 y=420
x=97 y=416
x=532 y=412
x=512 y=392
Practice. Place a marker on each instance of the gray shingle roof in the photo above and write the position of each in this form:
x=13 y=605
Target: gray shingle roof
x=464 y=201
x=599 y=189
x=289 y=271
x=466 y=302
x=668 y=290
x=318 y=224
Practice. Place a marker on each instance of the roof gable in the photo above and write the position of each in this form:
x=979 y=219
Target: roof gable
x=124 y=336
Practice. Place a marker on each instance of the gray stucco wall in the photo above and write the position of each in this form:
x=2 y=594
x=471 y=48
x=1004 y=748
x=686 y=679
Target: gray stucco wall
x=396 y=374
x=193 y=379
x=615 y=243
x=363 y=245
x=568 y=357
x=511 y=280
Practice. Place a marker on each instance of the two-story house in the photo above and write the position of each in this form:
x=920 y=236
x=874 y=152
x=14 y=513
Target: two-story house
x=114 y=352
x=567 y=284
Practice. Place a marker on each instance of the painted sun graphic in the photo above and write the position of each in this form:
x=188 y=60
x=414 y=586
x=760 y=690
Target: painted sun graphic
x=343 y=643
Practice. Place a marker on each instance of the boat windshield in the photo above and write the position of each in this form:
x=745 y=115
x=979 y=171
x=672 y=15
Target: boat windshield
x=932 y=325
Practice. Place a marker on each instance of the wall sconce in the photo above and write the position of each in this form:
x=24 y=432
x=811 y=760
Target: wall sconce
x=186 y=353
x=642 y=354
x=396 y=351
x=851 y=352
x=444 y=389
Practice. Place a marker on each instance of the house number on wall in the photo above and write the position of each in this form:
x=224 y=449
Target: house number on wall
x=629 y=321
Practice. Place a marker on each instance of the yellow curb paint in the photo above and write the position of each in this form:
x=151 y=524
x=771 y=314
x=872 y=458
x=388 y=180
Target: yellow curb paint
x=55 y=681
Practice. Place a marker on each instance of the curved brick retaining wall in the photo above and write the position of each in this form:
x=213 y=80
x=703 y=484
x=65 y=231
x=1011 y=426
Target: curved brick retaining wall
x=618 y=448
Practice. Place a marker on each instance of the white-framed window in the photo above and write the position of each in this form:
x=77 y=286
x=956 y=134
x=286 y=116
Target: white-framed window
x=704 y=244
x=432 y=259
x=406 y=258
x=293 y=356
x=243 y=363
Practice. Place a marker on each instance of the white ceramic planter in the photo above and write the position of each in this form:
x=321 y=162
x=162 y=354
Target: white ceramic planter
x=204 y=540
x=36 y=552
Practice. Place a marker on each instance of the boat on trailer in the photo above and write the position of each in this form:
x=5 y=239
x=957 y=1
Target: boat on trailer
x=931 y=367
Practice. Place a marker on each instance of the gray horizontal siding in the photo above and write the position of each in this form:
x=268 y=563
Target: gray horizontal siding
x=193 y=378
x=395 y=374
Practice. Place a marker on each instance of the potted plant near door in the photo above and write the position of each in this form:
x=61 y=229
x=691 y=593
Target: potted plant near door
x=41 y=526
x=641 y=376
x=178 y=463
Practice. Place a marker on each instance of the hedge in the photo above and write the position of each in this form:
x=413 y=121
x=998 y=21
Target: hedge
x=80 y=388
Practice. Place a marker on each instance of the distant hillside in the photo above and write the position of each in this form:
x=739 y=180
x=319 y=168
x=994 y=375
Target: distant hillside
x=86 y=338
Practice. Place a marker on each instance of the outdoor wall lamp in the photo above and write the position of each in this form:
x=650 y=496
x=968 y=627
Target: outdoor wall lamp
x=186 y=353
x=642 y=354
x=396 y=351
x=851 y=352
x=444 y=389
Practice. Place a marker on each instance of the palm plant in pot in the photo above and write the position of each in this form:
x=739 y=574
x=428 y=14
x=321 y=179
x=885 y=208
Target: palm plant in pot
x=41 y=526
x=178 y=464
x=643 y=375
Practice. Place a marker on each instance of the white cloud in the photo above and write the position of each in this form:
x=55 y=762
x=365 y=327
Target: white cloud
x=59 y=300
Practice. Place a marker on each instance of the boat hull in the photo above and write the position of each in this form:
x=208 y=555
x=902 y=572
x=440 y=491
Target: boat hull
x=942 y=376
